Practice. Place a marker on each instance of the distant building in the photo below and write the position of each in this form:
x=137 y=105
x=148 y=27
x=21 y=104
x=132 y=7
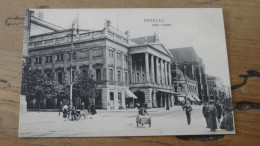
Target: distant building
x=186 y=88
x=215 y=86
x=131 y=70
x=193 y=68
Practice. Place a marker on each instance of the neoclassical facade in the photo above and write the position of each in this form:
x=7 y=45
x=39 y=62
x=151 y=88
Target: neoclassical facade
x=129 y=70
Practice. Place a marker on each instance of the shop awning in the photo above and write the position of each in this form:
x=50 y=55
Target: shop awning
x=181 y=98
x=197 y=98
x=168 y=91
x=130 y=94
x=191 y=98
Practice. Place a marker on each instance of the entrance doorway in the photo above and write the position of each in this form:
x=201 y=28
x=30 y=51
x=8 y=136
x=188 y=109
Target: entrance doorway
x=140 y=98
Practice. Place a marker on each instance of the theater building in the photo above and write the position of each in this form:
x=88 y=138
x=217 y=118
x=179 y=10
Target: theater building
x=129 y=70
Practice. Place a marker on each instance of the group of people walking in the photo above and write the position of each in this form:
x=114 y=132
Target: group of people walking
x=216 y=114
x=215 y=111
x=71 y=111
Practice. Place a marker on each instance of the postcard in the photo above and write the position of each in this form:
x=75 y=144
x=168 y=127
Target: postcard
x=125 y=72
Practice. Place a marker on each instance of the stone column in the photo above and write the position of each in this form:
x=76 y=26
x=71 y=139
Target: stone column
x=130 y=75
x=161 y=103
x=165 y=72
x=170 y=74
x=123 y=67
x=157 y=69
x=147 y=68
x=152 y=69
x=161 y=74
x=115 y=71
x=90 y=62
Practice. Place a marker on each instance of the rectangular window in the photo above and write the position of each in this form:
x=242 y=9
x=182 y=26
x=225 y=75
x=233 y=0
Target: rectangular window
x=38 y=60
x=73 y=57
x=125 y=58
x=110 y=74
x=126 y=77
x=119 y=76
x=48 y=59
x=119 y=55
x=120 y=99
x=111 y=96
x=98 y=74
x=111 y=53
x=48 y=75
x=59 y=57
x=137 y=77
x=60 y=77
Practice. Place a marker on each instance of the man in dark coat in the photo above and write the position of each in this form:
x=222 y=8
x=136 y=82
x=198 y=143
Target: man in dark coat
x=212 y=120
x=188 y=110
x=206 y=113
x=219 y=110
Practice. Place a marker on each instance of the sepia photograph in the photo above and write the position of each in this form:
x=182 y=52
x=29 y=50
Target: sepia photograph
x=125 y=72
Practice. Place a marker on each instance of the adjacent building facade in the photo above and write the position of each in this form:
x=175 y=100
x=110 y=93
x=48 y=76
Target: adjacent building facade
x=216 y=88
x=192 y=68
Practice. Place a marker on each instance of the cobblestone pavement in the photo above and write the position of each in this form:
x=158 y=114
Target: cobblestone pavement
x=115 y=123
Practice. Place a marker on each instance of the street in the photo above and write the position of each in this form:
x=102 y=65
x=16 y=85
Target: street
x=115 y=123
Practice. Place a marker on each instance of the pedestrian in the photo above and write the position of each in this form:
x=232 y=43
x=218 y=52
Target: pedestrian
x=73 y=113
x=212 y=120
x=167 y=106
x=65 y=111
x=60 y=107
x=219 y=110
x=93 y=109
x=83 y=106
x=206 y=113
x=188 y=110
x=227 y=122
x=142 y=111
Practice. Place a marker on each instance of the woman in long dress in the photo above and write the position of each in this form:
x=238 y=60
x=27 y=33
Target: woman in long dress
x=212 y=116
x=227 y=122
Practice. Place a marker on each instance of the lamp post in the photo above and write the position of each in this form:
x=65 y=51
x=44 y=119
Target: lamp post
x=75 y=21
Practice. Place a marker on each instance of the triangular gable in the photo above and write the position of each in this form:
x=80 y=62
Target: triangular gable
x=161 y=48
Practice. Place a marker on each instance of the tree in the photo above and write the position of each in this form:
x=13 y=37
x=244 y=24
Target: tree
x=86 y=88
x=35 y=85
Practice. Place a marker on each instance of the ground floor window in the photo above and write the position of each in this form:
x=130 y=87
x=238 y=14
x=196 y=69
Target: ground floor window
x=120 y=100
x=60 y=77
x=98 y=74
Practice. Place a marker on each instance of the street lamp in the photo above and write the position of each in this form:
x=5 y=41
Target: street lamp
x=74 y=22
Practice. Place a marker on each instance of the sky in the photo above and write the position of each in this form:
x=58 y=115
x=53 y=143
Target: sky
x=201 y=28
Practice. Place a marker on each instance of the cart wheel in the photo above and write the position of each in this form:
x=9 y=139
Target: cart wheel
x=150 y=125
x=137 y=124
